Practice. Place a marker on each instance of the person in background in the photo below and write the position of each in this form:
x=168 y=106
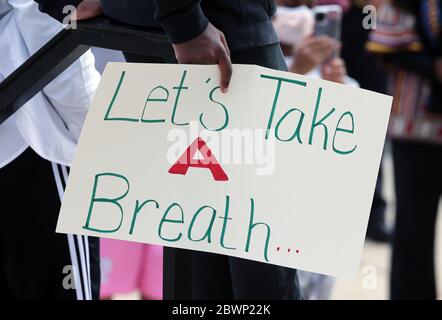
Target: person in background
x=37 y=145
x=210 y=32
x=408 y=40
x=362 y=66
x=309 y=54
x=314 y=50
x=304 y=52
x=294 y=21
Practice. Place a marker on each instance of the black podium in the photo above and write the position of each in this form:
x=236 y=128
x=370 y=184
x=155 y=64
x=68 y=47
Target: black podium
x=57 y=55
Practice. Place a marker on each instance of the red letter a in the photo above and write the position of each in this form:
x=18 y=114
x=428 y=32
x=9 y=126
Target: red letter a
x=209 y=162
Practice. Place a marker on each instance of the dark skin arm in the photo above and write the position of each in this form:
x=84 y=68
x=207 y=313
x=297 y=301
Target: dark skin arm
x=199 y=42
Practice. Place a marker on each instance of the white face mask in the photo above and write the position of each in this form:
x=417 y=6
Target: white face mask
x=293 y=24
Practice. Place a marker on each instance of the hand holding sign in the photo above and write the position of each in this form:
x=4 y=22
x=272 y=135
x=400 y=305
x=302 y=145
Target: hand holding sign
x=208 y=48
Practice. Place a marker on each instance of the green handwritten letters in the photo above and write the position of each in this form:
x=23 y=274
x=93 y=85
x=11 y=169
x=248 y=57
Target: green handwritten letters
x=320 y=144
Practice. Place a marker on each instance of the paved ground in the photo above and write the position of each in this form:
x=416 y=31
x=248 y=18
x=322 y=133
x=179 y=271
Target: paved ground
x=372 y=282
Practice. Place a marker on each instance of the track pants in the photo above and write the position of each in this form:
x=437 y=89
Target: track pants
x=36 y=262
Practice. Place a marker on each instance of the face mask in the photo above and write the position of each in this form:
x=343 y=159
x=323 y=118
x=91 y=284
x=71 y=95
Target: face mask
x=293 y=24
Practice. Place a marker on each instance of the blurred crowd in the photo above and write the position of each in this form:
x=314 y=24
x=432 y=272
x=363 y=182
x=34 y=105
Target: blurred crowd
x=399 y=55
x=388 y=46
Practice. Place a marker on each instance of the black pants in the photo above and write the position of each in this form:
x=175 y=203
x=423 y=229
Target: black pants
x=377 y=212
x=418 y=183
x=36 y=262
x=217 y=276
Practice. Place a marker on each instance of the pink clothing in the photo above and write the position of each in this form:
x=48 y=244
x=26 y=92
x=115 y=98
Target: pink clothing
x=129 y=266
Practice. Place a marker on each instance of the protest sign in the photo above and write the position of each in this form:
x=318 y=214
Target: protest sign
x=280 y=169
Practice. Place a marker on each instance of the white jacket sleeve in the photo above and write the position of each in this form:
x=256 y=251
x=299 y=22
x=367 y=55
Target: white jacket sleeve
x=51 y=122
x=72 y=91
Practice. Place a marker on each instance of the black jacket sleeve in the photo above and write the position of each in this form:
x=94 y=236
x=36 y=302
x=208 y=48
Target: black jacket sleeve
x=54 y=8
x=182 y=20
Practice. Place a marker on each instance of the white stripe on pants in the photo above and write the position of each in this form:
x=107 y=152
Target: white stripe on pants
x=82 y=279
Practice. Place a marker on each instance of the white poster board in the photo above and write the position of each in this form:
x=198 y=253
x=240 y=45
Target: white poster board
x=280 y=169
